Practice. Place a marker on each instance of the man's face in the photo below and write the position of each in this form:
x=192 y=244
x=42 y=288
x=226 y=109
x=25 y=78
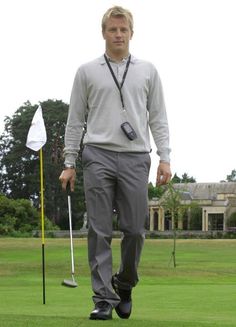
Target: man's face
x=117 y=35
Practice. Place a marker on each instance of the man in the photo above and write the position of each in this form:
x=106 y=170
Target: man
x=120 y=97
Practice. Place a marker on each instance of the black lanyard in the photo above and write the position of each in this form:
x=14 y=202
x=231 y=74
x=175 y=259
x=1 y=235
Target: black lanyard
x=123 y=78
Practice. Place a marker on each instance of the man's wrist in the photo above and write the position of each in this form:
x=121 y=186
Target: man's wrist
x=68 y=166
x=165 y=162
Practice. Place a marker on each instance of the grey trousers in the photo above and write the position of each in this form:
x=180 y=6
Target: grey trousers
x=115 y=180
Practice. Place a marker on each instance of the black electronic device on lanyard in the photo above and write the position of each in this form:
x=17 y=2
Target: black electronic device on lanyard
x=128 y=130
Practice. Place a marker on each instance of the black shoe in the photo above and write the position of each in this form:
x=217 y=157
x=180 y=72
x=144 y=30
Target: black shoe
x=102 y=311
x=124 y=308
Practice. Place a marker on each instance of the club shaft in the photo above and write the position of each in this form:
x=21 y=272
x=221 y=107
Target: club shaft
x=71 y=237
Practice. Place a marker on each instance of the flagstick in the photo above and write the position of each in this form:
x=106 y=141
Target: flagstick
x=42 y=220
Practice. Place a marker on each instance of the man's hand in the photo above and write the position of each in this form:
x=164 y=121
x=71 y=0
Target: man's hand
x=163 y=173
x=68 y=176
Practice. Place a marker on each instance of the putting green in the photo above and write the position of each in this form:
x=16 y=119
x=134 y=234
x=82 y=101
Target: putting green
x=199 y=292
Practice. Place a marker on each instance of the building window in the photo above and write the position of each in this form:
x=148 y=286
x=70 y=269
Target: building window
x=216 y=221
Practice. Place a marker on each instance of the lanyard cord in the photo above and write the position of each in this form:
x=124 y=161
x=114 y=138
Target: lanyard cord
x=119 y=86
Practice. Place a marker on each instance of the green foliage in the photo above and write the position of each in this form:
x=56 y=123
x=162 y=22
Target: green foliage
x=155 y=191
x=7 y=224
x=185 y=179
x=172 y=203
x=232 y=176
x=19 y=166
x=158 y=191
x=19 y=216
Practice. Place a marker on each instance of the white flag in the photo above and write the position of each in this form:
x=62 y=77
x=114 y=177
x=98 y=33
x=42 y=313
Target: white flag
x=37 y=136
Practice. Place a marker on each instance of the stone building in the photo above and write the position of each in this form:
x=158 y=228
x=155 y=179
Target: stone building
x=216 y=200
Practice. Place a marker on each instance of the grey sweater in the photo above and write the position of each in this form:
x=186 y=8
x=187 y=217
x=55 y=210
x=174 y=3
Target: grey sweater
x=95 y=95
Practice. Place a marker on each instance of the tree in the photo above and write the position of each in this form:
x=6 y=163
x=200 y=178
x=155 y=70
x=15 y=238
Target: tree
x=176 y=179
x=172 y=202
x=19 y=165
x=232 y=176
x=155 y=191
x=185 y=179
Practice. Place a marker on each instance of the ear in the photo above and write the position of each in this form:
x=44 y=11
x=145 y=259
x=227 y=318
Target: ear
x=103 y=34
x=132 y=33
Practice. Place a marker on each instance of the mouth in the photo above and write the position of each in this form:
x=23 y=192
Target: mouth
x=119 y=43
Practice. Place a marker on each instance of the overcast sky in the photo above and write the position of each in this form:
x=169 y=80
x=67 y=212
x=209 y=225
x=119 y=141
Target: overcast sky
x=191 y=42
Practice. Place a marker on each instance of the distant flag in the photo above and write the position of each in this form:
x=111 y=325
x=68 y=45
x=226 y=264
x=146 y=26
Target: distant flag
x=36 y=139
x=37 y=136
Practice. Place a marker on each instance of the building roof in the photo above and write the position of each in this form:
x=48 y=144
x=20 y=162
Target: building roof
x=206 y=191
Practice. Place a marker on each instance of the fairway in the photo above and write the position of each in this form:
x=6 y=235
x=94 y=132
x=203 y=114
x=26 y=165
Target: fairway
x=200 y=291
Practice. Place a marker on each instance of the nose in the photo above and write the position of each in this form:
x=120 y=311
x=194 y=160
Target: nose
x=118 y=33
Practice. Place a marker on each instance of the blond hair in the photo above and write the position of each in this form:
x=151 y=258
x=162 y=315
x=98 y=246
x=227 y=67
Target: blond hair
x=118 y=11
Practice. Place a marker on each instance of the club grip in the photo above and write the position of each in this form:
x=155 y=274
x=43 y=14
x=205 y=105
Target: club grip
x=68 y=190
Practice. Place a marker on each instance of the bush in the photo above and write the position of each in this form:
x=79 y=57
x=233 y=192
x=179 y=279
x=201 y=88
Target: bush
x=20 y=217
x=7 y=224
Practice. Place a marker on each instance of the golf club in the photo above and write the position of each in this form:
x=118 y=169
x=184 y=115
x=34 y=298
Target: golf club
x=70 y=282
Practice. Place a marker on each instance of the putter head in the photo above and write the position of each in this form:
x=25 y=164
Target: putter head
x=69 y=283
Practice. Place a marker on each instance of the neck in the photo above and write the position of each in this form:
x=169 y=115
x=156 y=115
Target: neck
x=117 y=57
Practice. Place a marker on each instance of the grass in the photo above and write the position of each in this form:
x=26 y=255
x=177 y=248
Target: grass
x=200 y=292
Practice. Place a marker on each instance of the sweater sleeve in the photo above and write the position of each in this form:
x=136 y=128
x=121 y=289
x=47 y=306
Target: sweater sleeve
x=157 y=116
x=76 y=118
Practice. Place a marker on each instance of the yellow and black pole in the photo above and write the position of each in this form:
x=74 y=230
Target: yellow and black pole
x=36 y=139
x=42 y=221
